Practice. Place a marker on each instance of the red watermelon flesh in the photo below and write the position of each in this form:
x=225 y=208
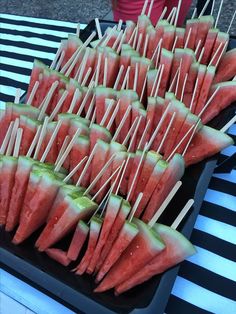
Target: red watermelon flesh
x=205 y=90
x=152 y=182
x=58 y=255
x=224 y=97
x=155 y=37
x=151 y=75
x=114 y=35
x=143 y=121
x=101 y=94
x=116 y=227
x=207 y=142
x=178 y=55
x=126 y=235
x=98 y=162
x=193 y=25
x=166 y=60
x=144 y=247
x=204 y=25
x=38 y=69
x=189 y=87
x=151 y=110
x=110 y=106
x=89 y=64
x=227 y=67
x=143 y=66
x=64 y=129
x=173 y=173
x=113 y=66
x=151 y=32
x=22 y=174
x=125 y=180
x=111 y=212
x=209 y=44
x=180 y=33
x=8 y=170
x=142 y=24
x=70 y=87
x=178 y=248
x=79 y=123
x=72 y=44
x=98 y=132
x=168 y=37
x=29 y=127
x=78 y=240
x=53 y=152
x=77 y=209
x=222 y=38
x=201 y=75
x=149 y=163
x=34 y=213
x=79 y=150
x=159 y=110
x=95 y=227
x=57 y=210
x=130 y=25
x=117 y=162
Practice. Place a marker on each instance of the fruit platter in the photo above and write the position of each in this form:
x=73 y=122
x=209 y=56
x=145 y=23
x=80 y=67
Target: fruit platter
x=106 y=159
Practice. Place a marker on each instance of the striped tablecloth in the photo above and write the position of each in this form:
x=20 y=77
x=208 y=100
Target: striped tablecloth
x=206 y=282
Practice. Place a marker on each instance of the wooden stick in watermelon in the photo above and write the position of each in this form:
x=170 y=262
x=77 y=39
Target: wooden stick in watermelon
x=41 y=137
x=75 y=169
x=203 y=9
x=191 y=137
x=117 y=81
x=12 y=138
x=81 y=108
x=193 y=95
x=108 y=111
x=131 y=130
x=212 y=7
x=132 y=143
x=58 y=106
x=63 y=148
x=231 y=22
x=127 y=112
x=177 y=13
x=33 y=92
x=6 y=138
x=17 y=96
x=78 y=240
x=118 y=39
x=59 y=50
x=34 y=142
x=172 y=13
x=113 y=116
x=161 y=16
x=86 y=77
x=183 y=89
x=228 y=124
x=159 y=149
x=59 y=63
x=209 y=101
x=16 y=150
x=219 y=12
x=80 y=71
x=90 y=108
x=178 y=248
x=45 y=103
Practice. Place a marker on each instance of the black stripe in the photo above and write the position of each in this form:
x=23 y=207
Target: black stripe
x=26 y=45
x=31 y=34
x=208 y=279
x=9 y=82
x=178 y=306
x=15 y=69
x=222 y=186
x=65 y=29
x=222 y=158
x=6 y=98
x=219 y=213
x=215 y=245
x=16 y=56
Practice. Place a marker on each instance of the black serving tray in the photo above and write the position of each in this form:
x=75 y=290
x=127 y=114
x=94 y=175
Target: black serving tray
x=76 y=292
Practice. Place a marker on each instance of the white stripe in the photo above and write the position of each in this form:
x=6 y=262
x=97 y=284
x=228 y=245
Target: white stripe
x=9 y=305
x=232 y=129
x=27 y=52
x=215 y=263
x=41 y=21
x=216 y=228
x=15 y=76
x=202 y=297
x=19 y=63
x=231 y=177
x=35 y=30
x=31 y=40
x=29 y=296
x=9 y=90
x=222 y=199
x=229 y=151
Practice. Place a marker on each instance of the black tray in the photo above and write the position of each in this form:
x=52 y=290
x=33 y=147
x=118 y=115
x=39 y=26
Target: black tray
x=76 y=292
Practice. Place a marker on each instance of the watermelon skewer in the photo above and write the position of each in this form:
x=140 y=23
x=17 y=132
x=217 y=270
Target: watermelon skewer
x=78 y=240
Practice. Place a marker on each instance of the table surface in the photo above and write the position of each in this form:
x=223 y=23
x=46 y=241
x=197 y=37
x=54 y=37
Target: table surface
x=206 y=282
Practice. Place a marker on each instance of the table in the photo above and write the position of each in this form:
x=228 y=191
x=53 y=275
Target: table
x=206 y=281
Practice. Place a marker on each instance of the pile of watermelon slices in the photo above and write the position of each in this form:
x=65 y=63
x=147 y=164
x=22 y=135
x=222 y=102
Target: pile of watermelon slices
x=133 y=103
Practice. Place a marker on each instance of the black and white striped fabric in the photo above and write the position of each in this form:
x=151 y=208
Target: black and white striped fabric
x=206 y=282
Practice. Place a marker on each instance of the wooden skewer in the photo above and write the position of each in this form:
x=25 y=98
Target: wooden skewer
x=166 y=132
x=122 y=122
x=63 y=148
x=52 y=139
x=6 y=138
x=136 y=77
x=98 y=27
x=67 y=151
x=188 y=37
x=231 y=22
x=164 y=204
x=143 y=135
x=194 y=95
x=177 y=13
x=191 y=137
x=208 y=102
x=17 y=96
x=143 y=89
x=198 y=47
x=108 y=37
x=159 y=80
x=155 y=82
x=113 y=116
x=140 y=37
x=91 y=107
x=76 y=168
x=182 y=214
x=183 y=89
x=201 y=55
x=47 y=99
x=121 y=42
x=52 y=66
x=118 y=76
x=150 y=8
x=221 y=54
x=79 y=76
x=74 y=100
x=157 y=51
x=17 y=142
x=135 y=207
x=62 y=56
x=12 y=138
x=145 y=45
x=215 y=54
x=144 y=7
x=204 y=8
x=34 y=142
x=87 y=164
x=130 y=131
x=134 y=134
x=78 y=29
x=194 y=13
x=86 y=77
x=105 y=72
x=178 y=79
x=161 y=16
x=126 y=78
x=122 y=174
x=119 y=25
x=81 y=108
x=58 y=105
x=219 y=12
x=173 y=17
x=154 y=134
x=212 y=8
x=100 y=174
x=174 y=44
x=135 y=38
x=93 y=118
x=132 y=36
x=172 y=12
x=118 y=39
x=174 y=80
x=33 y=92
x=98 y=68
x=108 y=110
x=228 y=125
x=41 y=137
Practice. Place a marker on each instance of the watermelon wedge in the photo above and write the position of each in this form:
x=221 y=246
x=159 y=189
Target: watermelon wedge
x=125 y=237
x=125 y=180
x=145 y=246
x=98 y=132
x=168 y=37
x=101 y=94
x=209 y=44
x=204 y=25
x=64 y=129
x=178 y=248
x=221 y=39
x=29 y=127
x=207 y=142
x=78 y=240
x=189 y=87
x=112 y=210
x=166 y=59
x=201 y=75
x=179 y=33
x=58 y=255
x=36 y=75
x=224 y=71
x=193 y=25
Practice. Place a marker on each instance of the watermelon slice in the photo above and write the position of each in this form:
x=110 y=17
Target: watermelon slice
x=145 y=246
x=168 y=37
x=95 y=227
x=204 y=25
x=125 y=180
x=53 y=152
x=98 y=132
x=142 y=24
x=130 y=25
x=71 y=87
x=173 y=173
x=78 y=240
x=179 y=33
x=117 y=162
x=189 y=87
x=193 y=25
x=166 y=59
x=101 y=94
x=113 y=66
x=8 y=170
x=155 y=35
x=112 y=210
x=224 y=97
x=64 y=129
x=79 y=123
x=152 y=182
x=125 y=237
x=116 y=227
x=224 y=71
x=201 y=75
x=209 y=44
x=29 y=127
x=72 y=44
x=207 y=142
x=221 y=39
x=151 y=75
x=178 y=248
x=77 y=209
x=58 y=255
